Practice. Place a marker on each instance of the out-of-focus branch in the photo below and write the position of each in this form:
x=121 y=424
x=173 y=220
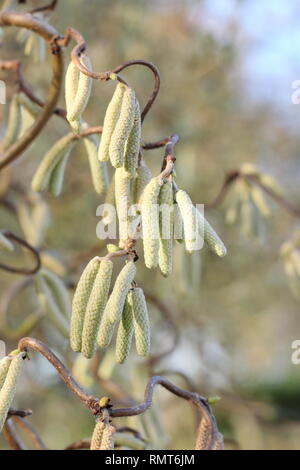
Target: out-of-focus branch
x=208 y=437
x=49 y=7
x=11 y=436
x=28 y=343
x=33 y=251
x=47 y=32
x=30 y=432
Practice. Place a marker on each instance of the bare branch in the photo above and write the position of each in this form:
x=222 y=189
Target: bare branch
x=30 y=432
x=24 y=243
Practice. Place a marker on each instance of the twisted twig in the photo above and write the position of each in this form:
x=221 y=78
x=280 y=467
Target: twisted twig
x=25 y=244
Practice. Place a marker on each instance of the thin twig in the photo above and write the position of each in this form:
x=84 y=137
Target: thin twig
x=25 y=244
x=11 y=436
x=30 y=432
x=49 y=7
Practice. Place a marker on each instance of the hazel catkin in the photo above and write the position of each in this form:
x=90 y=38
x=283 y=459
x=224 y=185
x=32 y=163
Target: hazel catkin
x=122 y=285
x=140 y=321
x=125 y=333
x=8 y=389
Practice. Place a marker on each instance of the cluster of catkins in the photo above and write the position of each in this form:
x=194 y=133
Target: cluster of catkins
x=95 y=313
x=103 y=436
x=10 y=369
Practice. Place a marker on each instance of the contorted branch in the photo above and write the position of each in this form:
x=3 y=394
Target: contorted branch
x=31 y=343
x=50 y=6
x=30 y=432
x=47 y=32
x=11 y=436
x=208 y=437
x=25 y=244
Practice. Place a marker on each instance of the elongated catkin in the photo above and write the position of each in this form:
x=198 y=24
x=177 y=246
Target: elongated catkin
x=122 y=129
x=59 y=291
x=4 y=366
x=108 y=437
x=13 y=124
x=106 y=329
x=125 y=333
x=133 y=143
x=98 y=169
x=178 y=224
x=123 y=200
x=82 y=96
x=80 y=300
x=150 y=221
x=143 y=176
x=8 y=389
x=56 y=180
x=165 y=255
x=59 y=150
x=190 y=221
x=212 y=239
x=97 y=436
x=122 y=285
x=95 y=307
x=140 y=321
x=71 y=86
x=110 y=121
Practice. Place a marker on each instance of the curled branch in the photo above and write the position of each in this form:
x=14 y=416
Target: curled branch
x=33 y=251
x=30 y=432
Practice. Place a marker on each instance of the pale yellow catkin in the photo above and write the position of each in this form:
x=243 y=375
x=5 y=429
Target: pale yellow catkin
x=123 y=200
x=58 y=151
x=95 y=307
x=122 y=129
x=98 y=169
x=56 y=180
x=4 y=366
x=110 y=120
x=97 y=435
x=150 y=221
x=80 y=300
x=106 y=330
x=165 y=255
x=211 y=238
x=178 y=225
x=125 y=333
x=143 y=176
x=122 y=285
x=133 y=143
x=107 y=442
x=13 y=124
x=82 y=96
x=71 y=86
x=59 y=291
x=140 y=321
x=190 y=221
x=8 y=389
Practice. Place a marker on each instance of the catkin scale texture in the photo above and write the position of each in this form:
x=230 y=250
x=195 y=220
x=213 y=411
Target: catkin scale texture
x=14 y=123
x=8 y=389
x=56 y=180
x=150 y=221
x=122 y=129
x=133 y=143
x=165 y=256
x=97 y=436
x=58 y=151
x=108 y=437
x=123 y=199
x=95 y=307
x=125 y=333
x=106 y=329
x=80 y=301
x=71 y=86
x=4 y=366
x=122 y=285
x=82 y=94
x=143 y=176
x=110 y=120
x=190 y=221
x=140 y=321
x=98 y=169
x=210 y=236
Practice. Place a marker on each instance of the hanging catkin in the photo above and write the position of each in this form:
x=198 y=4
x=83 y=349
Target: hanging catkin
x=178 y=224
x=97 y=435
x=98 y=169
x=82 y=96
x=71 y=86
x=123 y=200
x=4 y=366
x=143 y=176
x=210 y=236
x=125 y=333
x=190 y=221
x=61 y=149
x=8 y=389
x=13 y=124
x=165 y=256
x=140 y=321
x=56 y=180
x=106 y=329
x=150 y=221
x=123 y=127
x=108 y=437
x=110 y=120
x=133 y=143
x=80 y=300
x=58 y=290
x=122 y=285
x=95 y=307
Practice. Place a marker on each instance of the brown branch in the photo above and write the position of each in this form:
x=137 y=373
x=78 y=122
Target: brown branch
x=49 y=7
x=214 y=438
x=230 y=178
x=79 y=445
x=169 y=151
x=24 y=243
x=30 y=432
x=11 y=436
x=31 y=343
x=47 y=32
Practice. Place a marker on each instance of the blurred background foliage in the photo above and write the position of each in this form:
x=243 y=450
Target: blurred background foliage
x=236 y=317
